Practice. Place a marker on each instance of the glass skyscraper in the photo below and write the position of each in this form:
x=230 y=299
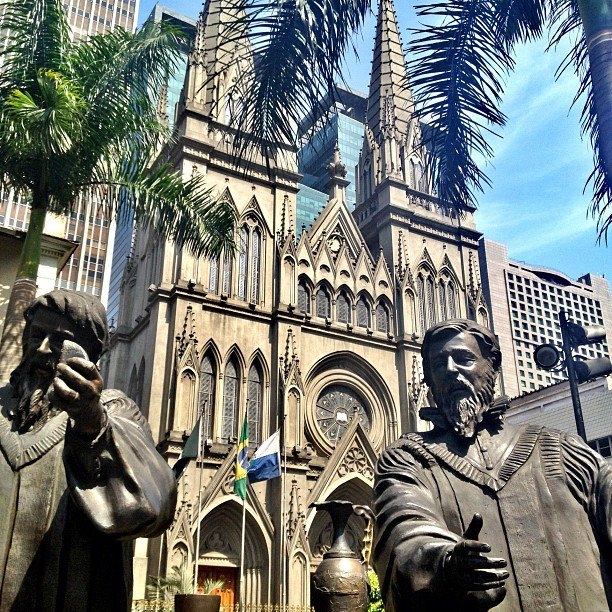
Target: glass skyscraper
x=344 y=126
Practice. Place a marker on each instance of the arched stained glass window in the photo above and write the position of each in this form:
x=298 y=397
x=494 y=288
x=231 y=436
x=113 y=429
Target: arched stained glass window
x=226 y=285
x=254 y=404
x=430 y=309
x=229 y=427
x=207 y=396
x=382 y=318
x=422 y=308
x=363 y=313
x=213 y=276
x=303 y=297
x=443 y=309
x=323 y=303
x=255 y=255
x=452 y=308
x=343 y=309
x=243 y=246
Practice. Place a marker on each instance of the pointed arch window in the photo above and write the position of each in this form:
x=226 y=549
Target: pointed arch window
x=207 y=396
x=452 y=307
x=254 y=404
x=343 y=309
x=323 y=303
x=430 y=310
x=229 y=426
x=226 y=284
x=303 y=297
x=255 y=255
x=422 y=309
x=243 y=245
x=443 y=309
x=213 y=276
x=382 y=318
x=483 y=318
x=363 y=313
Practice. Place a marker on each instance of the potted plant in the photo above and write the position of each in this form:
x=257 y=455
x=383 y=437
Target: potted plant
x=200 y=602
x=179 y=584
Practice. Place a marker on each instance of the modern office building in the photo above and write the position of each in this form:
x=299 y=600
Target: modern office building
x=525 y=302
x=342 y=126
x=88 y=269
x=319 y=335
x=125 y=236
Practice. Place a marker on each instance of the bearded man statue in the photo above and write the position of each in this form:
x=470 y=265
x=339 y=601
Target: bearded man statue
x=79 y=473
x=478 y=514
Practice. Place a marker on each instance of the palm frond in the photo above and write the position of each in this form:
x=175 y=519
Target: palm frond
x=520 y=20
x=37 y=36
x=457 y=72
x=567 y=21
x=183 y=210
x=298 y=48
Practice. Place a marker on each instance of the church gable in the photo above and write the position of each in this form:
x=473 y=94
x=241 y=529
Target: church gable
x=382 y=279
x=253 y=214
x=353 y=455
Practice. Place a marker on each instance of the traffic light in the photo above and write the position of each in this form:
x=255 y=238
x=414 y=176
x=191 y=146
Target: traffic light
x=575 y=335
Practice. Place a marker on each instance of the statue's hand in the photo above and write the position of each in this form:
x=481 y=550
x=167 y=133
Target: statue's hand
x=468 y=570
x=77 y=387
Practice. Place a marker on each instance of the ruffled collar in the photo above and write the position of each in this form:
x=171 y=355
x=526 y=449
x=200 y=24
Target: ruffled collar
x=522 y=448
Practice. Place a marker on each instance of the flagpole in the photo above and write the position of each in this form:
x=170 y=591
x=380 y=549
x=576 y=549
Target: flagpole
x=199 y=458
x=242 y=538
x=283 y=514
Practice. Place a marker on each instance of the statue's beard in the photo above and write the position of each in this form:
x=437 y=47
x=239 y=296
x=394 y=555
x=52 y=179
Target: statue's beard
x=464 y=408
x=33 y=382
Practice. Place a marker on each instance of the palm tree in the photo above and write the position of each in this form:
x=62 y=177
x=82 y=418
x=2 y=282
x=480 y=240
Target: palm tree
x=460 y=61
x=78 y=119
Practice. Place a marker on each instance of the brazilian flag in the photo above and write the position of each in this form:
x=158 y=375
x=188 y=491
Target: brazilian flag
x=242 y=462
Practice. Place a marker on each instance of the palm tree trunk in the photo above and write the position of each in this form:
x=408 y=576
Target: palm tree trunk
x=23 y=292
x=597 y=19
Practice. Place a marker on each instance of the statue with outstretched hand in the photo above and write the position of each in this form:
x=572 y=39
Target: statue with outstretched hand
x=478 y=514
x=80 y=476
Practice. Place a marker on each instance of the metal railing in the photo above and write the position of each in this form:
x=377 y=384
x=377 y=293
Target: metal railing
x=160 y=605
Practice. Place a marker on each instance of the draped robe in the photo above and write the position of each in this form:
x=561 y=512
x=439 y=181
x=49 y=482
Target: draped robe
x=547 y=510
x=69 y=506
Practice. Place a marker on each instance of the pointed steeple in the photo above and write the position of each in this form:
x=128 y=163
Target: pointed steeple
x=215 y=64
x=390 y=103
x=337 y=183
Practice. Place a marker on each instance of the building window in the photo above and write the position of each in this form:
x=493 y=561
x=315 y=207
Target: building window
x=323 y=303
x=254 y=404
x=602 y=445
x=442 y=292
x=213 y=276
x=229 y=427
x=343 y=310
x=430 y=309
x=243 y=245
x=382 y=318
x=255 y=264
x=226 y=284
x=207 y=396
x=452 y=306
x=303 y=297
x=363 y=313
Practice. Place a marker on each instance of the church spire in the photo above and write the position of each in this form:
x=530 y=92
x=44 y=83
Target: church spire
x=215 y=64
x=390 y=103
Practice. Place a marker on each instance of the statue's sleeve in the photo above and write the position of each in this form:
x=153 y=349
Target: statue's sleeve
x=411 y=537
x=119 y=480
x=589 y=477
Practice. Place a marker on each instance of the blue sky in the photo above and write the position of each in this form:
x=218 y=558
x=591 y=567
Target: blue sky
x=536 y=204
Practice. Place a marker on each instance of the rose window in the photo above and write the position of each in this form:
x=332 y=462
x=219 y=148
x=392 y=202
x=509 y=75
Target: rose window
x=336 y=408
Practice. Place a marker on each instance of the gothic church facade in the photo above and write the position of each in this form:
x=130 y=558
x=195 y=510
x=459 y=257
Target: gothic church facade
x=318 y=335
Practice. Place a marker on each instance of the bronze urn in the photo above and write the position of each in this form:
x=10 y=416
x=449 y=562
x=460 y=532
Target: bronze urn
x=340 y=582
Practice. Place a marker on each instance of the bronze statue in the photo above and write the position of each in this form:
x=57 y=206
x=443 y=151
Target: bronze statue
x=477 y=514
x=79 y=472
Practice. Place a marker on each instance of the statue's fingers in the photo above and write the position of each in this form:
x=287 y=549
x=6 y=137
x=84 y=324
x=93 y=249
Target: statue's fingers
x=63 y=392
x=467 y=547
x=488 y=579
x=473 y=530
x=86 y=368
x=479 y=562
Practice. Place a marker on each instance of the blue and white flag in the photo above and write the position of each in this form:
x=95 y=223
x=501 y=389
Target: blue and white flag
x=265 y=463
